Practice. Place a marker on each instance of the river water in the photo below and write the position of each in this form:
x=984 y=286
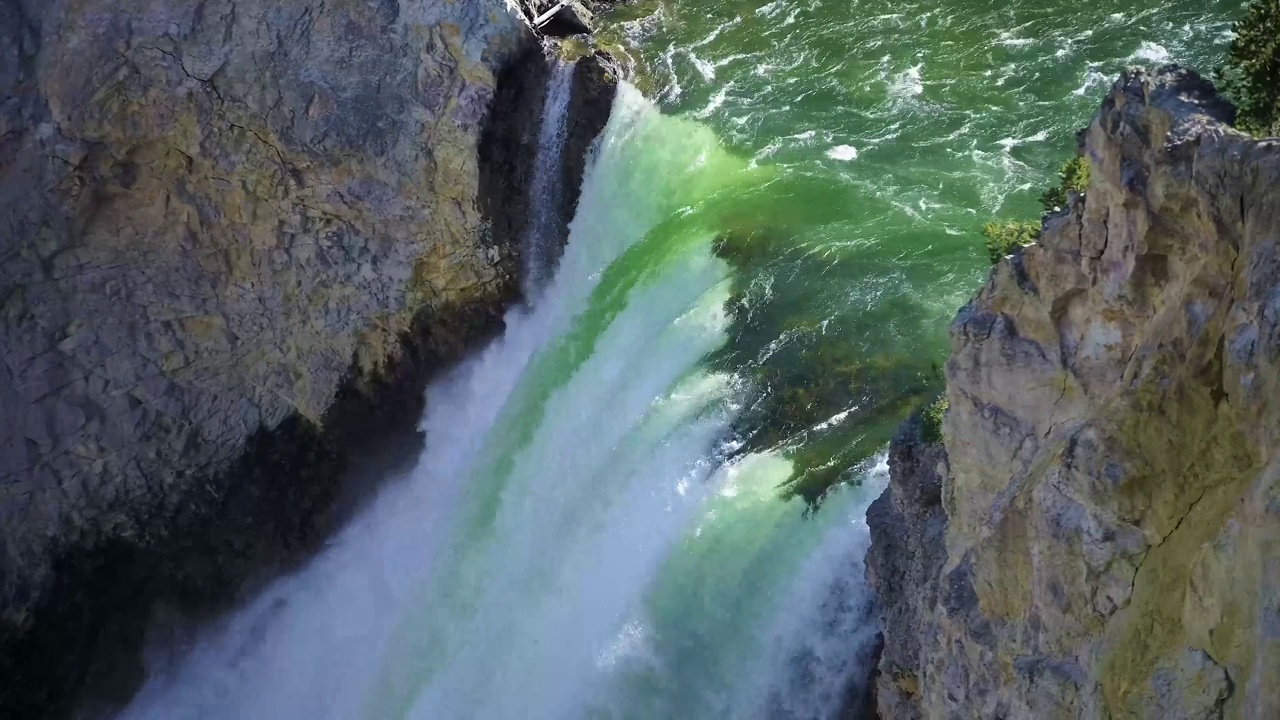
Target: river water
x=645 y=501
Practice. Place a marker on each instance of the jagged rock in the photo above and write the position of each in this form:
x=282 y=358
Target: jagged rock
x=559 y=19
x=908 y=529
x=572 y=19
x=1112 y=508
x=235 y=236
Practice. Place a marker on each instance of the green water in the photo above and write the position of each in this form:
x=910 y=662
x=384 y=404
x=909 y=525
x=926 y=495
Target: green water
x=895 y=130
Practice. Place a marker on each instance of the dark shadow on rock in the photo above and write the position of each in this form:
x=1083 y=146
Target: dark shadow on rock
x=81 y=652
x=567 y=22
x=908 y=548
x=595 y=85
x=509 y=145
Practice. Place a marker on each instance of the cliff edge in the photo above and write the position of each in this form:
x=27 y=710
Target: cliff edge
x=1109 y=483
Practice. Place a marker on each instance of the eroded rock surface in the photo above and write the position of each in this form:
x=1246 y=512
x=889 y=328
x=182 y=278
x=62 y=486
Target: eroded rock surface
x=1112 y=541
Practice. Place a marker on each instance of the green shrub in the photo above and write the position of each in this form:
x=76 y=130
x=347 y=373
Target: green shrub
x=931 y=419
x=1252 y=75
x=1073 y=177
x=1005 y=236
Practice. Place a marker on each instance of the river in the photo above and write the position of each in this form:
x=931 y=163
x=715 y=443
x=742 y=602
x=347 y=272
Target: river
x=646 y=499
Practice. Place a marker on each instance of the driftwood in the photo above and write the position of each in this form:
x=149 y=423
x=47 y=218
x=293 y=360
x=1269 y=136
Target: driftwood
x=546 y=16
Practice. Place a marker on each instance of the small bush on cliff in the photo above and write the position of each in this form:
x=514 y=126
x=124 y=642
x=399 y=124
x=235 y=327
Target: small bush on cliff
x=1073 y=177
x=1252 y=75
x=931 y=420
x=1005 y=236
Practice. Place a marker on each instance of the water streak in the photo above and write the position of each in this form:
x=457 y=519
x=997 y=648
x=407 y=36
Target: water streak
x=544 y=236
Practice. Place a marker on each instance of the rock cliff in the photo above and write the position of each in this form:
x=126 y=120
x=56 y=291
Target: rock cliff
x=235 y=237
x=1109 y=490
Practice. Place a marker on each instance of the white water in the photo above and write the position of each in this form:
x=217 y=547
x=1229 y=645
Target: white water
x=546 y=194
x=571 y=544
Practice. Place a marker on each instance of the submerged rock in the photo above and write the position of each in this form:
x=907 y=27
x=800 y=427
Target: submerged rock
x=1112 y=513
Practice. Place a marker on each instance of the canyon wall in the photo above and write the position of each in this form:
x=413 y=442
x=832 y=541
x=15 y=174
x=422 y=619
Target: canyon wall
x=236 y=237
x=1098 y=535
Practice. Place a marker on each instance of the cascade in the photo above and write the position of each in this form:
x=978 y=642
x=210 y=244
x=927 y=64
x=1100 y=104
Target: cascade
x=574 y=541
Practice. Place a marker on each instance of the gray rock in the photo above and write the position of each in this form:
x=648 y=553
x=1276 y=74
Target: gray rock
x=908 y=529
x=1109 y=446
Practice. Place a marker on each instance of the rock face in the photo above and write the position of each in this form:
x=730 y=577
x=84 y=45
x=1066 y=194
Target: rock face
x=595 y=83
x=1112 y=512
x=234 y=235
x=908 y=529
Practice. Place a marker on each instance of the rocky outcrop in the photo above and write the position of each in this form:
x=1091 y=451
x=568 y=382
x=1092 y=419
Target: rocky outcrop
x=1112 y=540
x=908 y=528
x=559 y=18
x=236 y=236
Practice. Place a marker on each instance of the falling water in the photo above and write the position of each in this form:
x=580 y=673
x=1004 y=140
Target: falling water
x=544 y=236
x=574 y=542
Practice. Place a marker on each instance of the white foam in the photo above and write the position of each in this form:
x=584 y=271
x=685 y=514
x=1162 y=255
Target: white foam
x=843 y=153
x=714 y=103
x=1008 y=39
x=1151 y=52
x=1010 y=143
x=1093 y=78
x=705 y=69
x=907 y=84
x=715 y=33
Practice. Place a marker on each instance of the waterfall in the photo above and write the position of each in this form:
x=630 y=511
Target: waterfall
x=543 y=237
x=574 y=542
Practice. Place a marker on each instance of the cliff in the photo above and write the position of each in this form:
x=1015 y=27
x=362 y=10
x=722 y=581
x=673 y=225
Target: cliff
x=236 y=237
x=1107 y=495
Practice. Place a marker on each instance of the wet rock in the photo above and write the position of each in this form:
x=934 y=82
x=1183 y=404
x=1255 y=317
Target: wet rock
x=595 y=84
x=557 y=19
x=509 y=147
x=571 y=19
